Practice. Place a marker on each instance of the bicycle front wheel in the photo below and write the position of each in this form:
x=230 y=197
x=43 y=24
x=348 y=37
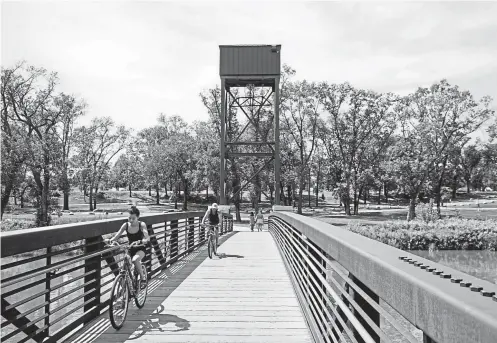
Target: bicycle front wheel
x=119 y=302
x=215 y=242
x=209 y=246
x=142 y=291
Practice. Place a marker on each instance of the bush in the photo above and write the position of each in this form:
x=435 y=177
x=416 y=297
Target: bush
x=447 y=234
x=17 y=224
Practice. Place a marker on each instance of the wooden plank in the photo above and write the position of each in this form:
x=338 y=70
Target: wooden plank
x=247 y=297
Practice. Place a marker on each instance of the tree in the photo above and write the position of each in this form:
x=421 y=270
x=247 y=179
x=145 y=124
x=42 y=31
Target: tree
x=128 y=169
x=470 y=159
x=361 y=124
x=432 y=119
x=18 y=83
x=300 y=113
x=97 y=145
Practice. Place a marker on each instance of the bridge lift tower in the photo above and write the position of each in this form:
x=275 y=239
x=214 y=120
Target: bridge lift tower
x=256 y=67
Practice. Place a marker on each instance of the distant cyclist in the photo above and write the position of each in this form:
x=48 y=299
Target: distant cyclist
x=212 y=216
x=136 y=232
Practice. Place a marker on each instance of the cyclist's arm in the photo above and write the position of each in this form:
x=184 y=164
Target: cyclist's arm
x=146 y=238
x=118 y=234
x=205 y=216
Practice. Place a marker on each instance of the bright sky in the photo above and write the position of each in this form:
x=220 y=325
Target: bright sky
x=133 y=60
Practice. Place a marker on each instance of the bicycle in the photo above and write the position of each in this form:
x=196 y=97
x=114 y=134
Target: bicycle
x=127 y=283
x=212 y=242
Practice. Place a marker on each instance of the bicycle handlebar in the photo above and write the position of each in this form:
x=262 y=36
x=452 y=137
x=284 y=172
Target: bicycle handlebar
x=125 y=246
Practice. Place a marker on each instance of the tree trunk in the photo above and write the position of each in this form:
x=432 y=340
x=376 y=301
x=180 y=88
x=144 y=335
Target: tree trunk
x=129 y=186
x=66 y=201
x=468 y=185
x=90 y=198
x=365 y=196
x=157 y=195
x=6 y=195
x=345 y=199
x=282 y=193
x=95 y=198
x=309 y=188
x=454 y=187
x=317 y=188
x=379 y=195
x=45 y=200
x=301 y=191
x=149 y=191
x=411 y=214
x=185 y=197
x=176 y=197
x=207 y=194
x=289 y=192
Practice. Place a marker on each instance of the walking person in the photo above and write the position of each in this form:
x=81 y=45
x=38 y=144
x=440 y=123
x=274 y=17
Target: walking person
x=252 y=221
x=260 y=220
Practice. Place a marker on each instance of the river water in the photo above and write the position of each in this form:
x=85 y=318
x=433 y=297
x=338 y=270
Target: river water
x=478 y=263
x=69 y=311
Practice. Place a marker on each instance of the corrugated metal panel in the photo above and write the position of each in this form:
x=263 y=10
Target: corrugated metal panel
x=250 y=60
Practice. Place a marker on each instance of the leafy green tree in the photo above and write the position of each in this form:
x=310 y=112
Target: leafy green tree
x=432 y=119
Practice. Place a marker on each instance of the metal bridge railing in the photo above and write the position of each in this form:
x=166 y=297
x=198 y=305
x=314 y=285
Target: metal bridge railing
x=354 y=289
x=57 y=279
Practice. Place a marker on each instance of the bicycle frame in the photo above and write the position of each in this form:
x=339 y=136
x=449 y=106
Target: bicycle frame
x=127 y=270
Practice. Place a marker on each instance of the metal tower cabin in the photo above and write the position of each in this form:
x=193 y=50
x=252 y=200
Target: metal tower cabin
x=250 y=76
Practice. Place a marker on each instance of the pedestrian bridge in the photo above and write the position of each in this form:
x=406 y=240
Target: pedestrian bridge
x=300 y=280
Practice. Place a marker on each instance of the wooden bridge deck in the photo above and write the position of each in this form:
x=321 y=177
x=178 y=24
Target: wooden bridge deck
x=244 y=295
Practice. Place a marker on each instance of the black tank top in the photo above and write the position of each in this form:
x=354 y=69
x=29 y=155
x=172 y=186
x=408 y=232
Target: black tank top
x=133 y=237
x=213 y=218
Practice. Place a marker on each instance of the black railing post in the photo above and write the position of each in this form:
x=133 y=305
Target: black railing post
x=367 y=308
x=167 y=246
x=202 y=231
x=48 y=277
x=222 y=225
x=154 y=243
x=427 y=339
x=191 y=233
x=174 y=239
x=92 y=289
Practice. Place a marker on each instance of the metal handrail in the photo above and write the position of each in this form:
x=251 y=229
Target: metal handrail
x=180 y=231
x=395 y=276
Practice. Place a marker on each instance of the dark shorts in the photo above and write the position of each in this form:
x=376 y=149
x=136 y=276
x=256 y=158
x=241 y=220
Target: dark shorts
x=134 y=250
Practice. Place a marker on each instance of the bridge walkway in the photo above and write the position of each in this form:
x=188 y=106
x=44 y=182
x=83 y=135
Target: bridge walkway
x=243 y=295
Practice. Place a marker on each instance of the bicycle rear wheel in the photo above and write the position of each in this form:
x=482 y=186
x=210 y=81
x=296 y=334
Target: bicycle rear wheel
x=141 y=294
x=119 y=302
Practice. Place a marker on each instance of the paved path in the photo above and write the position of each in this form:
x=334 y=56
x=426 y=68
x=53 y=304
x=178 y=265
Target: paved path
x=244 y=295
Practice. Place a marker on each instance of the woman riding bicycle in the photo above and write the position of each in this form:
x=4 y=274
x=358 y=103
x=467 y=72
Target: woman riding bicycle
x=137 y=234
x=211 y=215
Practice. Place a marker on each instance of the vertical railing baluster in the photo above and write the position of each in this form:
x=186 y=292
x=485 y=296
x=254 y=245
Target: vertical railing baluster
x=367 y=308
x=191 y=233
x=174 y=238
x=48 y=277
x=167 y=251
x=92 y=289
x=148 y=252
x=202 y=231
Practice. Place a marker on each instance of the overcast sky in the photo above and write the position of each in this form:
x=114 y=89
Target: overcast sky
x=133 y=60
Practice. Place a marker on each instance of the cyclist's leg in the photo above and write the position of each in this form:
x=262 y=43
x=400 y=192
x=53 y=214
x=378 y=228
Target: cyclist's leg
x=137 y=259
